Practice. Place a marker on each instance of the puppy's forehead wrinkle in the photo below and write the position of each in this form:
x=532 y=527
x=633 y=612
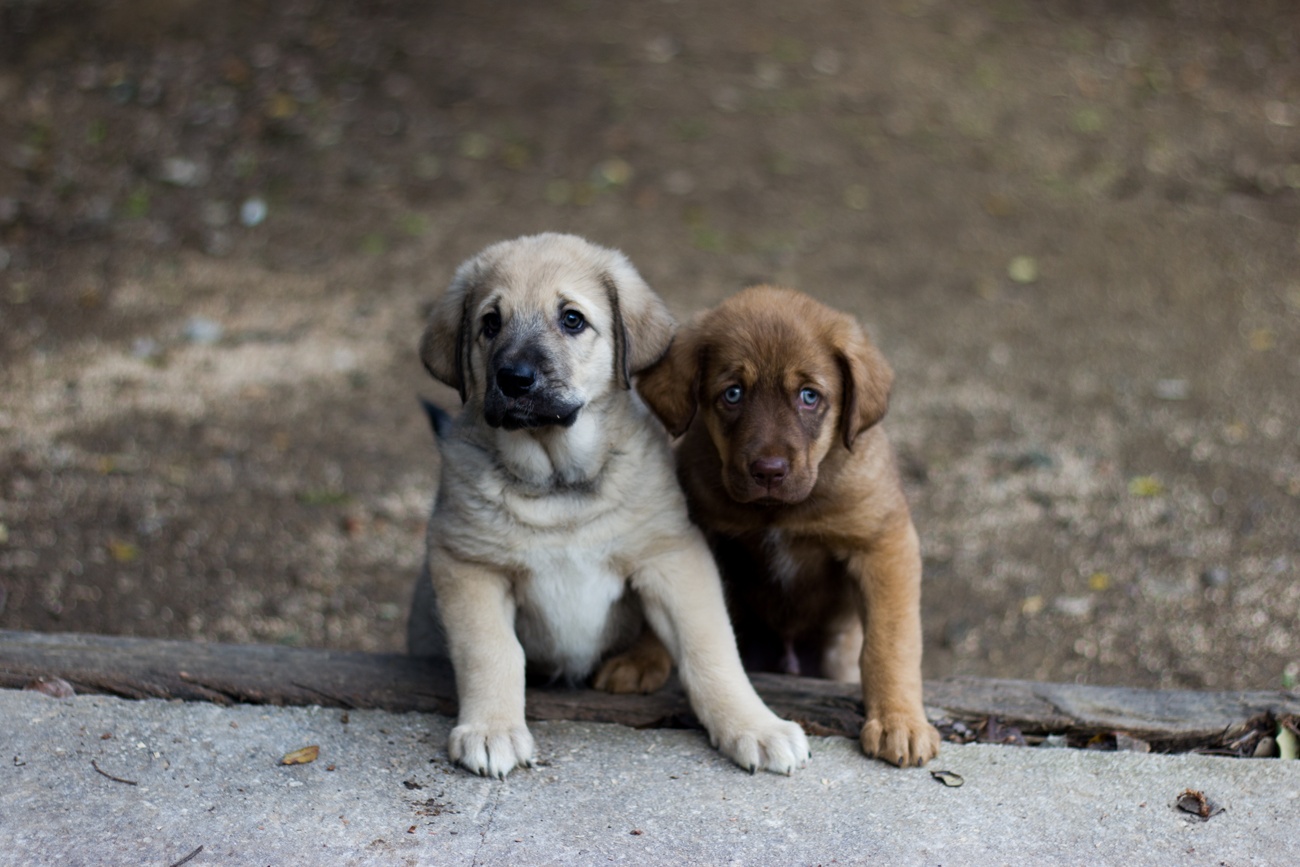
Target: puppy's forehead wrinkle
x=787 y=366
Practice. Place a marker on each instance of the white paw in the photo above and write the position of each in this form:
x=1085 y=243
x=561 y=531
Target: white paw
x=491 y=751
x=774 y=745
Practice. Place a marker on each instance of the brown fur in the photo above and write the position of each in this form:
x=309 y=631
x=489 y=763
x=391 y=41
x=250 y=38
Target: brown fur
x=801 y=499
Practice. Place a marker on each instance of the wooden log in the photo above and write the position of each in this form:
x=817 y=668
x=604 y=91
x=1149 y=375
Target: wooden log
x=258 y=674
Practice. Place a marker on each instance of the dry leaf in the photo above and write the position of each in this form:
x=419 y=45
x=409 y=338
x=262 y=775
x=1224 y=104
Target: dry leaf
x=1023 y=269
x=1194 y=801
x=948 y=778
x=55 y=687
x=303 y=756
x=1145 y=486
x=122 y=552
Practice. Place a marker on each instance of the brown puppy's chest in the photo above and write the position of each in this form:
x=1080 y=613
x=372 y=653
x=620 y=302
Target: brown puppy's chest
x=787 y=595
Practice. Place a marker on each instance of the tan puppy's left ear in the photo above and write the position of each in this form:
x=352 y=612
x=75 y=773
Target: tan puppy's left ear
x=444 y=346
x=867 y=381
x=643 y=327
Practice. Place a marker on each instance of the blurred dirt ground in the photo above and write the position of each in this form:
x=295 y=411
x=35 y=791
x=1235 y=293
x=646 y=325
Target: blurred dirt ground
x=1072 y=226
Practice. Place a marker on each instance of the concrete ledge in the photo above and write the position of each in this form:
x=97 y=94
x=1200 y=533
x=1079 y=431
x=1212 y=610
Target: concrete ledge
x=96 y=780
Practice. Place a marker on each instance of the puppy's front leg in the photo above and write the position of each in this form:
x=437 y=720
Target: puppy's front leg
x=888 y=576
x=478 y=612
x=682 y=595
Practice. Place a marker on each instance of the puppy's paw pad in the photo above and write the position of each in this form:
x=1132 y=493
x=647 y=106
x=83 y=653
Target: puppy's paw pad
x=634 y=672
x=491 y=751
x=900 y=739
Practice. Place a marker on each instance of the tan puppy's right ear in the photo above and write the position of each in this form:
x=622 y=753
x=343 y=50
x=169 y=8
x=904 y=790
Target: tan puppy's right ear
x=444 y=348
x=670 y=386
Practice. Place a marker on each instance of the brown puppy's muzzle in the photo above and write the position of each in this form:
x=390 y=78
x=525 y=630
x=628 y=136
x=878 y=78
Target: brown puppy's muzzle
x=769 y=473
x=775 y=476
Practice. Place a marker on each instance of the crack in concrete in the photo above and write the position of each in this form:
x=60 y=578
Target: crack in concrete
x=494 y=802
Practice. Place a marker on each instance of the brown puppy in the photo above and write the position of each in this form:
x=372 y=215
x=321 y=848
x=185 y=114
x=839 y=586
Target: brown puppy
x=793 y=480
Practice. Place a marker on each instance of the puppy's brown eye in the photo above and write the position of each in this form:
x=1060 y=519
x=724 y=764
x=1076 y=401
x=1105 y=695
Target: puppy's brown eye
x=573 y=321
x=733 y=395
x=808 y=397
x=491 y=324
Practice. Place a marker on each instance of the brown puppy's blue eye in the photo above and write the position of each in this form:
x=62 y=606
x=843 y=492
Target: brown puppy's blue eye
x=808 y=397
x=491 y=324
x=733 y=395
x=573 y=321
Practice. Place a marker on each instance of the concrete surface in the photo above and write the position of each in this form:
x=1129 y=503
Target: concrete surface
x=382 y=792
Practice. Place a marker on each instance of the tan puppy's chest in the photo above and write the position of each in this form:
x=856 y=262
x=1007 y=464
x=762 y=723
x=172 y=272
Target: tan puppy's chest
x=571 y=607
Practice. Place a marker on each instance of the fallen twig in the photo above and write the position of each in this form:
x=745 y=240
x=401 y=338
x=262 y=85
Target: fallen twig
x=188 y=857
x=105 y=773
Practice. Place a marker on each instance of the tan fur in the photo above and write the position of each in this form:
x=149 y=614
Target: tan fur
x=824 y=559
x=559 y=527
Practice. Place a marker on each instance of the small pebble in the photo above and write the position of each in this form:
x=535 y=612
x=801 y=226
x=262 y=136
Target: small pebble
x=1073 y=606
x=252 y=212
x=202 y=331
x=1173 y=389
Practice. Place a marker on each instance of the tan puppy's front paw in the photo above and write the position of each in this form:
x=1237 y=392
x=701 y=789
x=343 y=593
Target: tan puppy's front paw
x=640 y=669
x=900 y=739
x=778 y=746
x=491 y=751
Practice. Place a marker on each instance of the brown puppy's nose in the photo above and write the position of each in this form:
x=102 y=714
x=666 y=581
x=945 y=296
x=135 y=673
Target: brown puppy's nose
x=516 y=381
x=769 y=472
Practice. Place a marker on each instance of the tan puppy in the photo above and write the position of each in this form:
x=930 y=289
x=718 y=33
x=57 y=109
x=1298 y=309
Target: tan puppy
x=787 y=470
x=559 y=527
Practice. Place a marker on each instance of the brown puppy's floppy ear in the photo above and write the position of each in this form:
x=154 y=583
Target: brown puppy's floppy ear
x=671 y=387
x=867 y=381
x=444 y=348
x=643 y=327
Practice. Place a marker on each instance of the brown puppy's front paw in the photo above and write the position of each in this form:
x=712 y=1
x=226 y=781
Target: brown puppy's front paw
x=641 y=669
x=900 y=739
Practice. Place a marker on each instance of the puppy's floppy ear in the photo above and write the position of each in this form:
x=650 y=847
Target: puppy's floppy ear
x=671 y=387
x=444 y=348
x=643 y=327
x=867 y=381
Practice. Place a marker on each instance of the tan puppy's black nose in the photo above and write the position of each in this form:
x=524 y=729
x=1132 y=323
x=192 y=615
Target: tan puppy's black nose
x=769 y=472
x=516 y=381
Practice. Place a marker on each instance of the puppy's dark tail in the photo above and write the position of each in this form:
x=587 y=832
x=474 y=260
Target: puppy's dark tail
x=439 y=419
